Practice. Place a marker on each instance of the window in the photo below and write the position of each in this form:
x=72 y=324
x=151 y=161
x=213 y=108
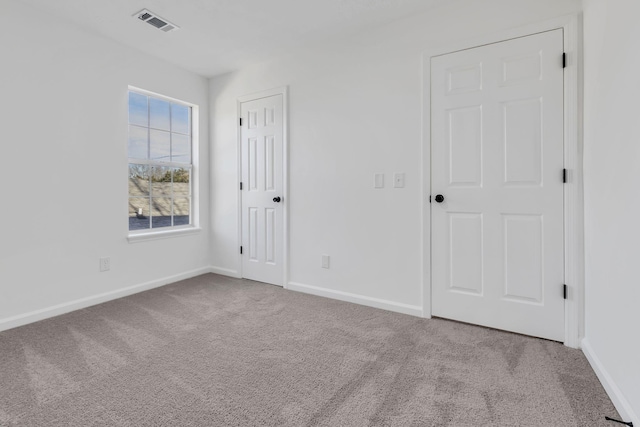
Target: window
x=160 y=162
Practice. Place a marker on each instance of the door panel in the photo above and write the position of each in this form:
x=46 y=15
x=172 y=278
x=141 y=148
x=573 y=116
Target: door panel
x=523 y=142
x=497 y=158
x=465 y=147
x=262 y=171
x=465 y=245
x=523 y=257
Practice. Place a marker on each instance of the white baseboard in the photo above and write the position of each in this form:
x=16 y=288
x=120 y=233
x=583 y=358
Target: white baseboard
x=226 y=272
x=412 y=310
x=619 y=401
x=56 y=310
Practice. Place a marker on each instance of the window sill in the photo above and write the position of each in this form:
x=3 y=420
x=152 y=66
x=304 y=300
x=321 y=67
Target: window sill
x=164 y=234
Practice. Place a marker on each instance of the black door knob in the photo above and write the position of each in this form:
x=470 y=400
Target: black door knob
x=439 y=198
x=277 y=199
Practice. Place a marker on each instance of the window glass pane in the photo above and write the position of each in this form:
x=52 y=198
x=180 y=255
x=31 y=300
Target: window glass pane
x=181 y=185
x=159 y=114
x=180 y=120
x=161 y=212
x=160 y=181
x=138 y=142
x=138 y=180
x=138 y=213
x=160 y=145
x=138 y=112
x=180 y=148
x=181 y=211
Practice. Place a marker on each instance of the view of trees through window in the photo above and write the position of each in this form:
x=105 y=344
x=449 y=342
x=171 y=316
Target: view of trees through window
x=159 y=163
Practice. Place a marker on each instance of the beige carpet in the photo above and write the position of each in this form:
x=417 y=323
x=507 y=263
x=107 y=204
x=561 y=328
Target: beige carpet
x=214 y=351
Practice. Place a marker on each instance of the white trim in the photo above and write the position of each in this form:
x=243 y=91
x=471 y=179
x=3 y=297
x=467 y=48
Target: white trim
x=574 y=193
x=164 y=234
x=412 y=310
x=194 y=168
x=619 y=401
x=56 y=310
x=284 y=91
x=226 y=272
x=574 y=204
x=159 y=95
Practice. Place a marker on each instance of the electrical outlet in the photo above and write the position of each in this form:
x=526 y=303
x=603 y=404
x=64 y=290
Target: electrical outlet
x=105 y=264
x=325 y=261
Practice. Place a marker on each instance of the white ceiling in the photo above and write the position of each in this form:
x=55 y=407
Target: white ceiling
x=218 y=36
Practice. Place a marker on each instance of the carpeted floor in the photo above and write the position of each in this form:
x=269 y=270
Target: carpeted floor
x=215 y=351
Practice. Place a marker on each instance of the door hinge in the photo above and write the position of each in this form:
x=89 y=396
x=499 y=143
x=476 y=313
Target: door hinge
x=564 y=60
x=240 y=121
x=564 y=176
x=241 y=186
x=564 y=291
x=240 y=250
x=429 y=198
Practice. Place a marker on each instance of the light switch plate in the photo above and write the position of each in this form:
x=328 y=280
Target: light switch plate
x=325 y=261
x=378 y=180
x=398 y=180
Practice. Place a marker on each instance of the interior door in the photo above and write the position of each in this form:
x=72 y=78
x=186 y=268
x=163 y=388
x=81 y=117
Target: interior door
x=497 y=185
x=262 y=189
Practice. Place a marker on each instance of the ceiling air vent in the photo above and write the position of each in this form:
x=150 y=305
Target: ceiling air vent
x=153 y=19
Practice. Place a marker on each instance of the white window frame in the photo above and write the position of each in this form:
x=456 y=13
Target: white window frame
x=134 y=236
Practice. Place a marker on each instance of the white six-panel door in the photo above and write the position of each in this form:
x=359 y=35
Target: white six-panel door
x=497 y=160
x=262 y=189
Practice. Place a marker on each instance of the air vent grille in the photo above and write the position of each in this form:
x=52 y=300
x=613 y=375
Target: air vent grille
x=156 y=21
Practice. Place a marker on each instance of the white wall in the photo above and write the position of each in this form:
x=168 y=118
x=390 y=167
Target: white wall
x=355 y=109
x=612 y=196
x=63 y=109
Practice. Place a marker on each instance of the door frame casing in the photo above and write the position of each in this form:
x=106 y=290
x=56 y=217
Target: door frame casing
x=284 y=91
x=573 y=149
